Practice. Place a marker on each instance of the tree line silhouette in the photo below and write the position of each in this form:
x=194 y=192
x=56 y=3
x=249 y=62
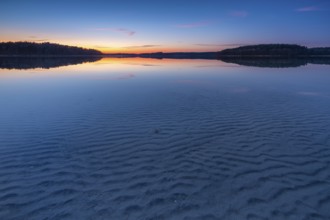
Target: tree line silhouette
x=49 y=49
x=261 y=50
x=274 y=50
x=24 y=55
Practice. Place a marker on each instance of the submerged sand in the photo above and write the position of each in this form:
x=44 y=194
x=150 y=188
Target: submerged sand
x=206 y=148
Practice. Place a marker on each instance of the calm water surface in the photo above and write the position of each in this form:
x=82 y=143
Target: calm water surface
x=165 y=139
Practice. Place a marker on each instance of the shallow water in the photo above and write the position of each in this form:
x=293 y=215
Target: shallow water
x=165 y=139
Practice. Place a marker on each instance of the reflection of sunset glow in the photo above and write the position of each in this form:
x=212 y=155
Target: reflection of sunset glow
x=125 y=67
x=156 y=62
x=160 y=63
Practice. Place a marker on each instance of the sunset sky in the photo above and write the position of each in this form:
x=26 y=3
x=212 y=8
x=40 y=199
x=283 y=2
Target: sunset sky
x=158 y=25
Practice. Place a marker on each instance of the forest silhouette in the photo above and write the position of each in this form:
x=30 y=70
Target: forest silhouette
x=25 y=55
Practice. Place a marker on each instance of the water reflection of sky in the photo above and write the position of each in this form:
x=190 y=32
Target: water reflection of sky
x=128 y=68
x=149 y=77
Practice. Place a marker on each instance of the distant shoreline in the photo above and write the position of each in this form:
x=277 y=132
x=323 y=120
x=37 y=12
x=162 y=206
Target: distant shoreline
x=262 y=51
x=175 y=55
x=32 y=49
x=25 y=54
x=212 y=55
x=46 y=56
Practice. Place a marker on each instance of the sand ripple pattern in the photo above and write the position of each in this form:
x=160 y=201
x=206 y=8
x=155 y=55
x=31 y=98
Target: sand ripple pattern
x=202 y=155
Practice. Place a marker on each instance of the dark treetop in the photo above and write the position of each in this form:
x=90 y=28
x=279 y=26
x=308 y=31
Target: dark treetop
x=43 y=49
x=274 y=50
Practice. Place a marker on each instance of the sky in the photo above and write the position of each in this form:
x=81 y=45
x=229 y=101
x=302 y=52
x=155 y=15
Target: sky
x=136 y=26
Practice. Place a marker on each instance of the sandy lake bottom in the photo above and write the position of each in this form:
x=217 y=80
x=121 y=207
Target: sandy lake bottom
x=165 y=139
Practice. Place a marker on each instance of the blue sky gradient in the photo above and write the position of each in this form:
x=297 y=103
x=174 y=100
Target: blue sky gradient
x=152 y=25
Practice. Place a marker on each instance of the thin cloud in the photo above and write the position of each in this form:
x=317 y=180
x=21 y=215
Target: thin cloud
x=96 y=46
x=102 y=47
x=125 y=31
x=193 y=25
x=308 y=9
x=241 y=14
x=36 y=39
x=41 y=40
x=208 y=45
x=118 y=30
x=142 y=46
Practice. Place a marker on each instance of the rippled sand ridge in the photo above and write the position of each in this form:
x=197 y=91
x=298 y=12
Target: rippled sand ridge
x=189 y=140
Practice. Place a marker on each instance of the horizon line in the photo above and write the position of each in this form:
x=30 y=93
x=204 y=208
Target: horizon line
x=162 y=51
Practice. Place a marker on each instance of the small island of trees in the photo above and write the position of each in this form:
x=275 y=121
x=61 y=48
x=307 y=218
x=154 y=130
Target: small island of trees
x=274 y=51
x=275 y=55
x=29 y=55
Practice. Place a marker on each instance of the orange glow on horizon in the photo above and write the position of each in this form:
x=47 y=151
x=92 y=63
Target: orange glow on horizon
x=111 y=63
x=107 y=48
x=156 y=50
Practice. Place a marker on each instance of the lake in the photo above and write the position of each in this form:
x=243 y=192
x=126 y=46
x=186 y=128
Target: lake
x=139 y=138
